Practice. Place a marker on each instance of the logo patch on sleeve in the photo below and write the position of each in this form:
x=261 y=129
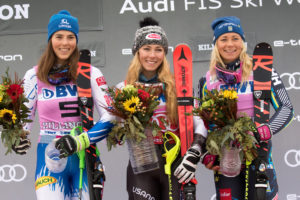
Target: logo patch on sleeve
x=101 y=81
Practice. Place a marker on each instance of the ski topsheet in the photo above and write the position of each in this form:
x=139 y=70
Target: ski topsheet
x=86 y=113
x=183 y=66
x=262 y=73
x=183 y=70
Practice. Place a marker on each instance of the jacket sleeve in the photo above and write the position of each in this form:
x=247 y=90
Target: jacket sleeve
x=284 y=111
x=101 y=101
x=30 y=92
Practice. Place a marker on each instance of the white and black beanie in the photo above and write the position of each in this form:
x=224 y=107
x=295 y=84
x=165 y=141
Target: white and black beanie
x=149 y=33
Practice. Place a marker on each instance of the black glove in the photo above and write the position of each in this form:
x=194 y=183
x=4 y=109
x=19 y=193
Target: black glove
x=22 y=147
x=186 y=169
x=68 y=144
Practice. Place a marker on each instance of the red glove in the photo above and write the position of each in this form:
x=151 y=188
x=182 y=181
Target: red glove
x=264 y=132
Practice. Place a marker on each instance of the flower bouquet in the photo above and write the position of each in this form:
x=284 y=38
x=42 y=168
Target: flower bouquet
x=226 y=131
x=135 y=105
x=13 y=112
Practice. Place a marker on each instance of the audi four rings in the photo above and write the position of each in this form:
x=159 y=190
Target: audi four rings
x=292 y=158
x=293 y=81
x=10 y=173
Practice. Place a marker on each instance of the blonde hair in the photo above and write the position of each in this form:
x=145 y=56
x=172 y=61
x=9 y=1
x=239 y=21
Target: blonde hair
x=48 y=60
x=244 y=58
x=165 y=76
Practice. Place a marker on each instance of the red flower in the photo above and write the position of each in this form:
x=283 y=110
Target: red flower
x=14 y=91
x=143 y=95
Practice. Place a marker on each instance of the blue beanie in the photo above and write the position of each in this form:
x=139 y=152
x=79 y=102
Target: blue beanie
x=63 y=20
x=228 y=24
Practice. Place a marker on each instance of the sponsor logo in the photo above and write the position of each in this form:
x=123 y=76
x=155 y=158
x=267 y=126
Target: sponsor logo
x=139 y=6
x=293 y=80
x=292 y=158
x=292 y=196
x=60 y=91
x=64 y=24
x=153 y=36
x=147 y=7
x=101 y=81
x=16 y=11
x=225 y=194
x=59 y=127
x=45 y=180
x=9 y=58
x=283 y=43
x=128 y=51
x=12 y=173
x=108 y=100
x=142 y=193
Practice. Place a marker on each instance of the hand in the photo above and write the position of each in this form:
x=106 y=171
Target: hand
x=210 y=161
x=22 y=147
x=68 y=144
x=264 y=132
x=186 y=169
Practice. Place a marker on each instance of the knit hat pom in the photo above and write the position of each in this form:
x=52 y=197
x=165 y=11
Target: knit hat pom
x=148 y=21
x=64 y=12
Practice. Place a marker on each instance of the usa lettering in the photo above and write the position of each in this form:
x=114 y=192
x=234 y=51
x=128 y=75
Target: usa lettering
x=17 y=11
x=147 y=6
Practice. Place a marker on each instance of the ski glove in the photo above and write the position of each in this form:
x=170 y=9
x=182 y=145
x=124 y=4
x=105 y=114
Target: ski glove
x=22 y=147
x=186 y=169
x=264 y=132
x=68 y=144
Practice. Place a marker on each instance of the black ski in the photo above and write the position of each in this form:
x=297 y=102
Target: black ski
x=85 y=101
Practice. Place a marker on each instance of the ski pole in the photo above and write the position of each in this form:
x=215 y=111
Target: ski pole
x=81 y=155
x=170 y=155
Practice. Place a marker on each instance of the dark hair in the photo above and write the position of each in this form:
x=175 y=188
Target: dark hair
x=48 y=60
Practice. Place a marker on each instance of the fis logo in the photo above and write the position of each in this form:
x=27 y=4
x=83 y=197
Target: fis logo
x=60 y=92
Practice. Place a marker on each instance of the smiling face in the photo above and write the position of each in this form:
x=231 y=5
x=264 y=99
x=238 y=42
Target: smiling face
x=230 y=46
x=151 y=57
x=64 y=44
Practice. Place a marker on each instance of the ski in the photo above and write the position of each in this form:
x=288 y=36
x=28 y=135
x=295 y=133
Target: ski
x=262 y=72
x=183 y=71
x=85 y=101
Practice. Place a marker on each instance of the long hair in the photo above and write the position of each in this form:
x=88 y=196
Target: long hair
x=49 y=59
x=244 y=58
x=165 y=76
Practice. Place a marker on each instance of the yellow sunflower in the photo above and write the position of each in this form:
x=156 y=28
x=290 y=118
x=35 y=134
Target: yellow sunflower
x=14 y=118
x=131 y=104
x=5 y=111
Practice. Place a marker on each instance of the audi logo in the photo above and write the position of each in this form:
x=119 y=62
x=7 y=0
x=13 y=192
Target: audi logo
x=292 y=158
x=292 y=79
x=10 y=173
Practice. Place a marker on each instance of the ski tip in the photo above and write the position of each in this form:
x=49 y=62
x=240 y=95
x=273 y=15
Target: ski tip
x=182 y=45
x=85 y=56
x=263 y=45
x=262 y=48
